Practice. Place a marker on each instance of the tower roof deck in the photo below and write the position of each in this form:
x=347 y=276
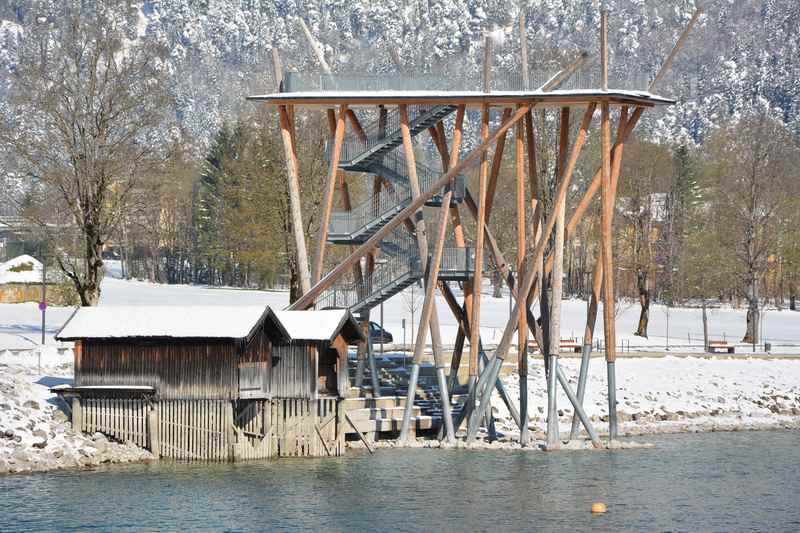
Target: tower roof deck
x=505 y=90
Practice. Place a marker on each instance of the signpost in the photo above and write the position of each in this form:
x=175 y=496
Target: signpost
x=43 y=306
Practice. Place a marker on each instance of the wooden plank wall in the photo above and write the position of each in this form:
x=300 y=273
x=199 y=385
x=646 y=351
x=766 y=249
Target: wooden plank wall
x=190 y=369
x=253 y=423
x=300 y=426
x=194 y=430
x=294 y=371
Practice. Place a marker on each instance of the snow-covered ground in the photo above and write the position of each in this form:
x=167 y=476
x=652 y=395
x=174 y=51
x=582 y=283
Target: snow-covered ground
x=672 y=394
x=655 y=393
x=20 y=324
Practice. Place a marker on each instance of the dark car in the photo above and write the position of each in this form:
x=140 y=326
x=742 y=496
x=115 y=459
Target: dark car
x=379 y=335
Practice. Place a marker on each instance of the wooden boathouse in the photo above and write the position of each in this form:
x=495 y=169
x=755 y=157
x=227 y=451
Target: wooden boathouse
x=214 y=382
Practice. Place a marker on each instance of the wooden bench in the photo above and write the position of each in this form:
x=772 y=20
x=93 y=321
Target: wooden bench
x=719 y=346
x=566 y=345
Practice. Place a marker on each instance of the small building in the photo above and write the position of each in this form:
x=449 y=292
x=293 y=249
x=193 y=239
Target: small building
x=21 y=280
x=212 y=382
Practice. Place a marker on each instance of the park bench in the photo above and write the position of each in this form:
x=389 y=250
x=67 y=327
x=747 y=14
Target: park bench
x=566 y=345
x=720 y=346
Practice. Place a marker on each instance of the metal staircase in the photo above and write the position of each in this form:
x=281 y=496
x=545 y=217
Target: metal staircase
x=399 y=265
x=384 y=135
x=363 y=221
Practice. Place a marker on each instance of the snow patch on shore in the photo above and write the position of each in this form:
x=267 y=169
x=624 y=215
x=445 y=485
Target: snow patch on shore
x=671 y=393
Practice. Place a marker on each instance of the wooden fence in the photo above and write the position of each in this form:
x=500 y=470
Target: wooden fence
x=218 y=430
x=120 y=419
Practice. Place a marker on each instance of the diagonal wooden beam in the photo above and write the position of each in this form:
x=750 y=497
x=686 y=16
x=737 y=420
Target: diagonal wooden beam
x=566 y=73
x=497 y=160
x=293 y=172
x=419 y=225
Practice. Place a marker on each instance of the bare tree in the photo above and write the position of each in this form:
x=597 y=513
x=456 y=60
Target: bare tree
x=643 y=210
x=754 y=170
x=87 y=103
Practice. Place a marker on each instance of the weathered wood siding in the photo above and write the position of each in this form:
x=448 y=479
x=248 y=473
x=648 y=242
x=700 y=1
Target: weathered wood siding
x=294 y=371
x=342 y=373
x=219 y=430
x=121 y=419
x=178 y=369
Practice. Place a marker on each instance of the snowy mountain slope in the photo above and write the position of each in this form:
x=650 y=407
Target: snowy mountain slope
x=742 y=53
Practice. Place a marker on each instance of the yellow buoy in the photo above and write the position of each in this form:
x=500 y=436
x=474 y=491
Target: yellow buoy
x=599 y=507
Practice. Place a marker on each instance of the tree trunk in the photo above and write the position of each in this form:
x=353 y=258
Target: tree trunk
x=705 y=328
x=644 y=301
x=792 y=296
x=294 y=283
x=753 y=313
x=497 y=284
x=88 y=284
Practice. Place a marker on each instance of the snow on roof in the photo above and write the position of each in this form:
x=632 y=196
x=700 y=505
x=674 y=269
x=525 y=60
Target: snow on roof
x=314 y=325
x=557 y=94
x=216 y=322
x=28 y=270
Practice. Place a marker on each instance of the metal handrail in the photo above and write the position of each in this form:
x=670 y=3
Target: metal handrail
x=379 y=132
x=502 y=79
x=427 y=176
x=398 y=268
x=388 y=201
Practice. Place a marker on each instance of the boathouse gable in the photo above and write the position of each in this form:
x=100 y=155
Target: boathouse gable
x=314 y=363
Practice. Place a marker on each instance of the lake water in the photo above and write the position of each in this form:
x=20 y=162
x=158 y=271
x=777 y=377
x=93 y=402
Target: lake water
x=700 y=482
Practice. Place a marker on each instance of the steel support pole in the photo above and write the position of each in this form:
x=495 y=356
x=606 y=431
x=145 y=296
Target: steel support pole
x=501 y=390
x=410 y=397
x=360 y=360
x=446 y=407
x=552 y=405
x=578 y=408
x=489 y=374
x=586 y=353
x=373 y=367
x=612 y=400
x=469 y=405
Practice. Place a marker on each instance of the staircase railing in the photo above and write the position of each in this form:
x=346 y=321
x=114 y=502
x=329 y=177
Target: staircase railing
x=426 y=175
x=382 y=206
x=397 y=268
x=378 y=132
x=388 y=202
x=403 y=265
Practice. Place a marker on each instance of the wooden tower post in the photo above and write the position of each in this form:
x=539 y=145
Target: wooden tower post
x=475 y=319
x=606 y=229
x=293 y=175
x=422 y=243
x=522 y=329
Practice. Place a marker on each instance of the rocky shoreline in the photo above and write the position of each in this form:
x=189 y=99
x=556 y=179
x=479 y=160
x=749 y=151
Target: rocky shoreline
x=36 y=436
